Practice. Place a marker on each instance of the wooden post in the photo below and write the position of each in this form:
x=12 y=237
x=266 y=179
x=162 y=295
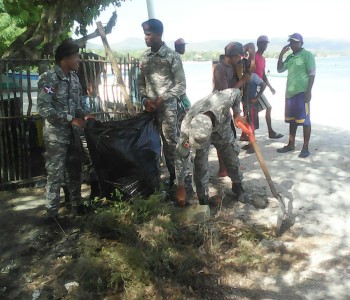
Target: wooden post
x=116 y=68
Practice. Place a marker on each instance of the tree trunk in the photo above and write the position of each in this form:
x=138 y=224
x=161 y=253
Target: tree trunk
x=46 y=34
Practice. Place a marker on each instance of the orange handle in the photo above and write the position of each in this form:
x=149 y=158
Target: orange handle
x=247 y=130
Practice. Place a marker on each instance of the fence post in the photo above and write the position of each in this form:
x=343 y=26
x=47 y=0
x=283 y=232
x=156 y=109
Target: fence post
x=115 y=68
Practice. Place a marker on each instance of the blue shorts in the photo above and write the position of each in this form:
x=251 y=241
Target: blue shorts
x=297 y=111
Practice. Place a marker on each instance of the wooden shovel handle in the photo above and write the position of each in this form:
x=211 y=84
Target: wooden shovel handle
x=247 y=130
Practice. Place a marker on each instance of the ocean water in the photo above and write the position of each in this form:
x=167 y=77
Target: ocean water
x=330 y=104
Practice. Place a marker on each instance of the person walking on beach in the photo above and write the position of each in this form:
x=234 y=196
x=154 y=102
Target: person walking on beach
x=207 y=122
x=161 y=83
x=301 y=68
x=59 y=103
x=263 y=103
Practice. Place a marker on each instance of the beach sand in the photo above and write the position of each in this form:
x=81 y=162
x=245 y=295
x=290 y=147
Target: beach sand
x=318 y=190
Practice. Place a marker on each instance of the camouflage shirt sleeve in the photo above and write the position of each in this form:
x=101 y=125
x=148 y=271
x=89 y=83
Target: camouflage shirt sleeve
x=80 y=110
x=141 y=83
x=182 y=156
x=182 y=152
x=46 y=91
x=237 y=94
x=179 y=79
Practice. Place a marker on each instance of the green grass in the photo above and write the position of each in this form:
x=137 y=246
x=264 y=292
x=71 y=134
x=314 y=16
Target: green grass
x=137 y=249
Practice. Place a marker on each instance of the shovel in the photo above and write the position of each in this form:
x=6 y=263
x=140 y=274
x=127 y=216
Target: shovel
x=283 y=217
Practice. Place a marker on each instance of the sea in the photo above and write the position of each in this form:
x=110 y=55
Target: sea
x=330 y=103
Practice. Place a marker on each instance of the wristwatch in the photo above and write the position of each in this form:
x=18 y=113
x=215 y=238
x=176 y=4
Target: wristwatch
x=69 y=118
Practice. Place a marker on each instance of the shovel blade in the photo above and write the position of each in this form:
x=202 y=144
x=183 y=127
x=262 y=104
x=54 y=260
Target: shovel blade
x=284 y=221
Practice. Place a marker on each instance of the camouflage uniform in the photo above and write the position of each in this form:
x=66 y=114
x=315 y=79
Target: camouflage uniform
x=162 y=75
x=218 y=104
x=59 y=100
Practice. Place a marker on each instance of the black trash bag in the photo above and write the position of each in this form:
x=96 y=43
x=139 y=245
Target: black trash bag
x=125 y=155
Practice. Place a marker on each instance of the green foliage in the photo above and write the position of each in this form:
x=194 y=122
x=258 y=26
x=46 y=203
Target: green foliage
x=16 y=16
x=9 y=30
x=23 y=12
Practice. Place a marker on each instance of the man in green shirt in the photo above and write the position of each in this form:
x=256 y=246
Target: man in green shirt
x=301 y=75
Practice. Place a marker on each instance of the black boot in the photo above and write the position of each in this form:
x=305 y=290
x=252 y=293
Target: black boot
x=203 y=200
x=240 y=193
x=171 y=181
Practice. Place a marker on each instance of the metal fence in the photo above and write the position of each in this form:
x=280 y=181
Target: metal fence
x=21 y=138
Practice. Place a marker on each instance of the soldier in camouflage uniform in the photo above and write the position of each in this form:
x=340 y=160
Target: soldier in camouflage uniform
x=161 y=83
x=59 y=99
x=207 y=122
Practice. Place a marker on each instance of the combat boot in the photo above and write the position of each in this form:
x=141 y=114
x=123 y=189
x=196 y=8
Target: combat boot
x=203 y=200
x=240 y=193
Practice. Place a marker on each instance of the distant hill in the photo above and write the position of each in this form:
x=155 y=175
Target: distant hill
x=129 y=44
x=312 y=44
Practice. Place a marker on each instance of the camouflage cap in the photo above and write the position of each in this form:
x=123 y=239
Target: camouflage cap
x=153 y=25
x=200 y=131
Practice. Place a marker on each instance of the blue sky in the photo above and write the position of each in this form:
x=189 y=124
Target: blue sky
x=202 y=20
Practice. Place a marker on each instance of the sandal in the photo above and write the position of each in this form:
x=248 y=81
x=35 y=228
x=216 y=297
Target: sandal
x=285 y=149
x=304 y=153
x=276 y=136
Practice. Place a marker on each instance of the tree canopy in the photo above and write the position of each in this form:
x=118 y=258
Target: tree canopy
x=31 y=28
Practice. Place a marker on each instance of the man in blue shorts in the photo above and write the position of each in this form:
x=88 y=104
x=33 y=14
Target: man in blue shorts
x=301 y=68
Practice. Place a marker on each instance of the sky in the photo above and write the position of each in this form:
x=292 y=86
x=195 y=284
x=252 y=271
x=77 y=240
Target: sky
x=204 y=20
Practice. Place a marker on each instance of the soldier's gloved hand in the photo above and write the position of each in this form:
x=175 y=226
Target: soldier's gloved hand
x=241 y=119
x=78 y=122
x=159 y=101
x=150 y=105
x=181 y=195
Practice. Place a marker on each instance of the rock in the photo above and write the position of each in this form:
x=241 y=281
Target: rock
x=195 y=214
x=278 y=244
x=259 y=202
x=36 y=295
x=70 y=285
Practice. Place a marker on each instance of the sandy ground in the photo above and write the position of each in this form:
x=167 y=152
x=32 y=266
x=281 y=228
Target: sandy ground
x=318 y=189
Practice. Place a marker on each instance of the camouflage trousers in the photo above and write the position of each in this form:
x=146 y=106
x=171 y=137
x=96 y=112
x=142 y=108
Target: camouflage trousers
x=229 y=152
x=168 y=127
x=63 y=164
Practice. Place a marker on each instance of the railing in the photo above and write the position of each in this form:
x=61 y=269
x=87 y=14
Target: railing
x=21 y=142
